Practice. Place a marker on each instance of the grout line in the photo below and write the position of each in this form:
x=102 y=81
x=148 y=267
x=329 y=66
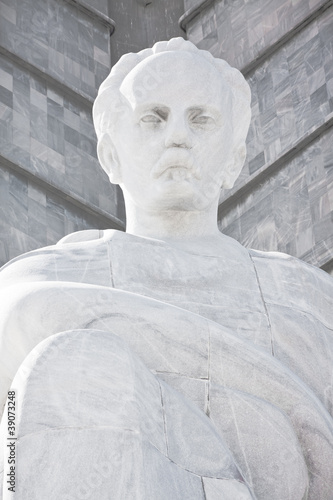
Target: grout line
x=165 y=428
x=203 y=488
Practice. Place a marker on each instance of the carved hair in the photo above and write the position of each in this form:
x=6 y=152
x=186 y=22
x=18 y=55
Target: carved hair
x=231 y=76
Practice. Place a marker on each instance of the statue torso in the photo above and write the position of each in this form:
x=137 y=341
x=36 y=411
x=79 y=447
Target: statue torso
x=274 y=301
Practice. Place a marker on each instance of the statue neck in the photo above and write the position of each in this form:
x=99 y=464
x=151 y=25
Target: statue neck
x=172 y=225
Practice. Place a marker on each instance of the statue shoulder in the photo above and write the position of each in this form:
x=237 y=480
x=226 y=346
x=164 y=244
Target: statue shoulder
x=80 y=236
x=290 y=282
x=78 y=257
x=279 y=261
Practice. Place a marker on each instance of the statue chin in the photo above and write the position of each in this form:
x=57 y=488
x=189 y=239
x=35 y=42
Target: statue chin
x=149 y=370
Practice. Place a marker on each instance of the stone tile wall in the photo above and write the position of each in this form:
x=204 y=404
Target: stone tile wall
x=240 y=30
x=285 y=50
x=47 y=133
x=32 y=216
x=291 y=210
x=53 y=56
x=292 y=92
x=59 y=39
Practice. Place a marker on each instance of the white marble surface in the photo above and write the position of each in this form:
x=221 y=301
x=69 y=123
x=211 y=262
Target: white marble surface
x=139 y=437
x=189 y=350
x=184 y=361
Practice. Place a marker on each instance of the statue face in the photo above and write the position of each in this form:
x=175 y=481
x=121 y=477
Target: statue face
x=174 y=141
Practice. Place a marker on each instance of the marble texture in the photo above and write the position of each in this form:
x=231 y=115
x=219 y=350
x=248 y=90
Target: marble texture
x=31 y=217
x=52 y=60
x=184 y=362
x=291 y=85
x=291 y=210
x=291 y=91
x=138 y=416
x=50 y=136
x=240 y=31
x=59 y=39
x=197 y=347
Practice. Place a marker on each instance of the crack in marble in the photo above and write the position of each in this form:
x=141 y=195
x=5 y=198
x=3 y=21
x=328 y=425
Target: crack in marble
x=264 y=304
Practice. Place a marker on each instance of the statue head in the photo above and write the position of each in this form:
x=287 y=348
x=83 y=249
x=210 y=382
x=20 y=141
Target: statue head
x=173 y=120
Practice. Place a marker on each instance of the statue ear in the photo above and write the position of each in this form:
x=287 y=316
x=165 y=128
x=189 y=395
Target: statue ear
x=234 y=168
x=108 y=158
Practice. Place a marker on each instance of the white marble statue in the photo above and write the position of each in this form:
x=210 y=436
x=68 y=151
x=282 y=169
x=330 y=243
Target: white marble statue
x=168 y=362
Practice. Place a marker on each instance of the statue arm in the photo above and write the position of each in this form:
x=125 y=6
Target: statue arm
x=170 y=341
x=30 y=267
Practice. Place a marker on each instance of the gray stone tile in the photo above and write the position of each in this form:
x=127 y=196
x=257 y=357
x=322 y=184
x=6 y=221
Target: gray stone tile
x=54 y=108
x=6 y=96
x=38 y=124
x=257 y=162
x=72 y=136
x=319 y=98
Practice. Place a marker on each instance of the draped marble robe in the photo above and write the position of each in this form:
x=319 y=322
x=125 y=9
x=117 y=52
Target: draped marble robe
x=243 y=337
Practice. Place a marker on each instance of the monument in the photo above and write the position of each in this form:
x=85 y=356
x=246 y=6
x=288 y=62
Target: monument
x=167 y=362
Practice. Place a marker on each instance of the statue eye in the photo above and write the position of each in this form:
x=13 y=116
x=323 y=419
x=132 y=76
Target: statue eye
x=151 y=119
x=203 y=120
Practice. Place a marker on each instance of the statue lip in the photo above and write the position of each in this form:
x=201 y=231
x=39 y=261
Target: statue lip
x=176 y=158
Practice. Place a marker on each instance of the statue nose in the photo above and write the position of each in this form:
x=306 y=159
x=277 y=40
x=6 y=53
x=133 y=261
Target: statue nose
x=178 y=145
x=178 y=136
